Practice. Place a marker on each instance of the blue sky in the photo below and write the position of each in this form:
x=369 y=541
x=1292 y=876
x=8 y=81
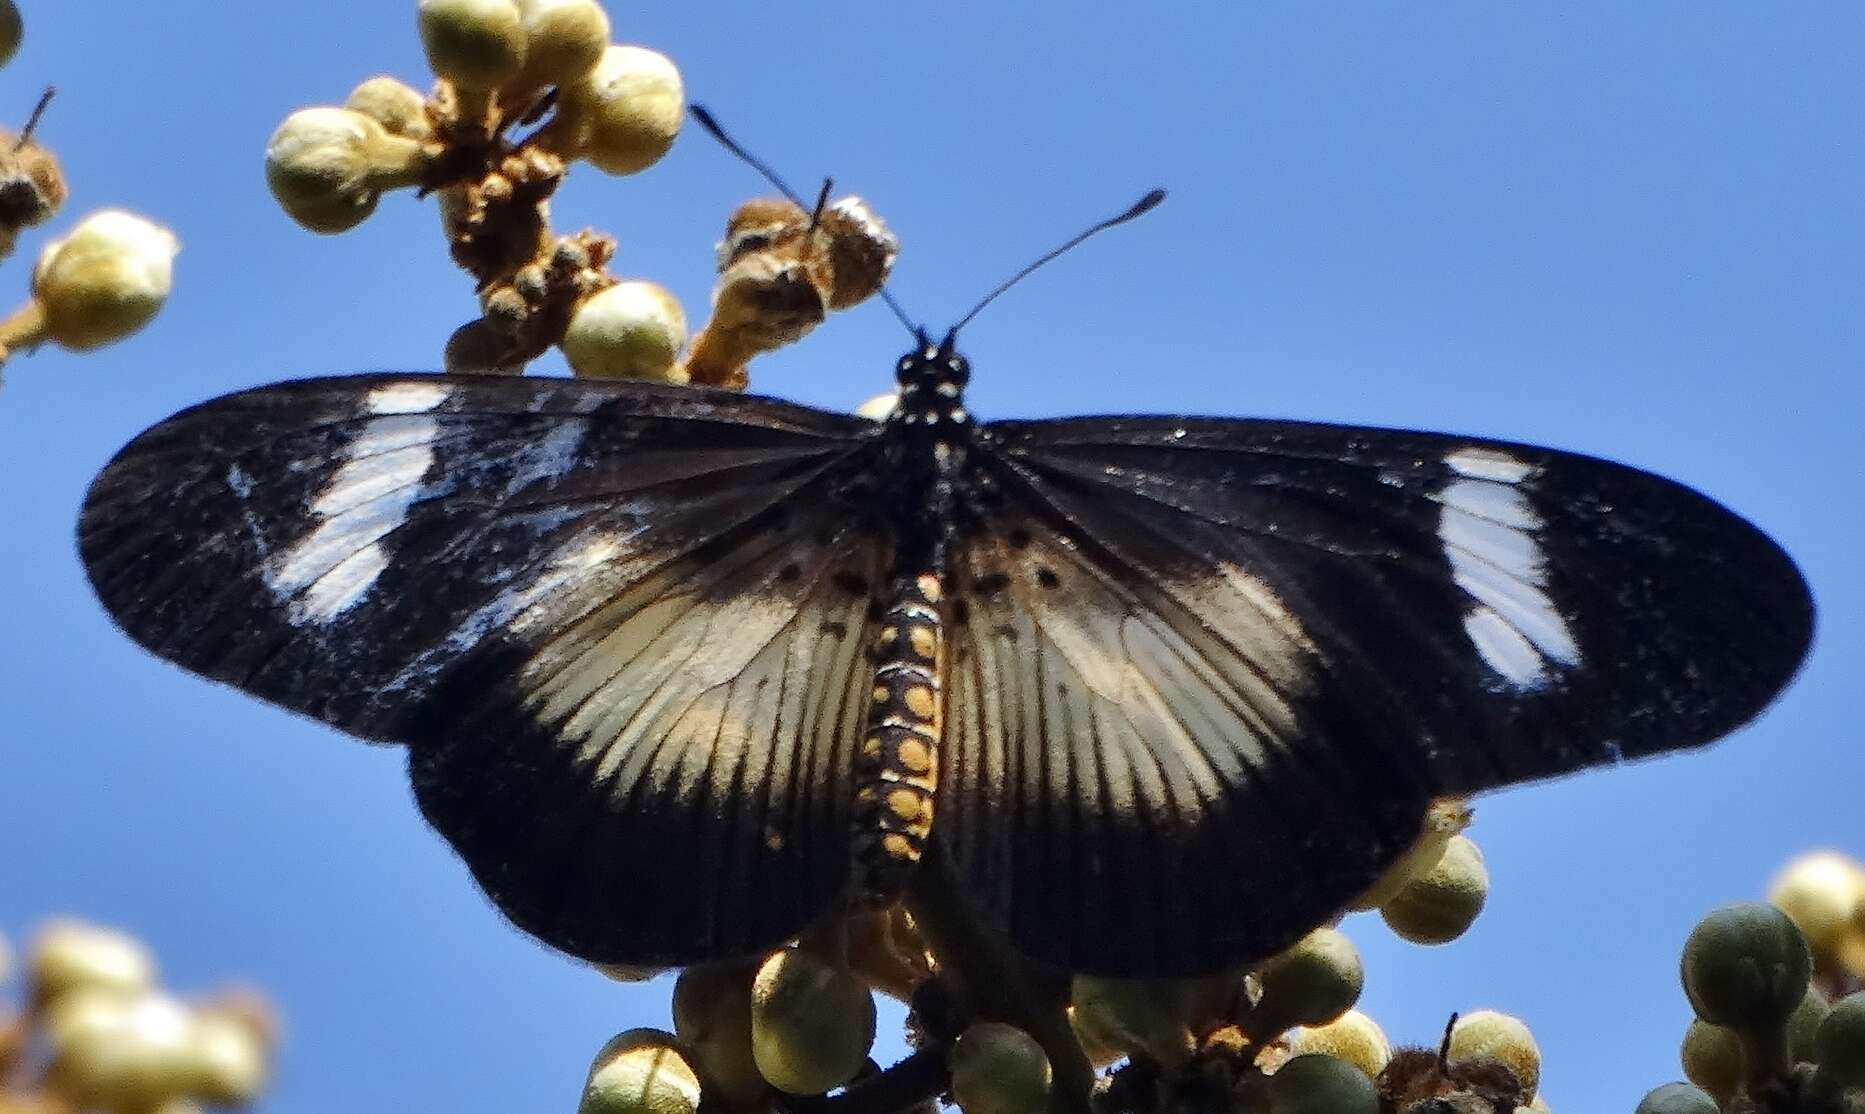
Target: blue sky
x=1632 y=230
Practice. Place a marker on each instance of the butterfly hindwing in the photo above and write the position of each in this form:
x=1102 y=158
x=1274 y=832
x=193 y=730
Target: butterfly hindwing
x=1208 y=674
x=612 y=622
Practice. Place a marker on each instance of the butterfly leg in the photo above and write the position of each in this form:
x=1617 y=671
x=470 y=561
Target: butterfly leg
x=896 y=771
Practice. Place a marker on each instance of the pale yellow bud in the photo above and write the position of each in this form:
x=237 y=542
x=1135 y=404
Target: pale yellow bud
x=1818 y=892
x=1353 y=1037
x=564 y=40
x=476 y=44
x=120 y=1052
x=230 y=1059
x=70 y=955
x=877 y=408
x=1489 y=1033
x=105 y=280
x=397 y=106
x=1312 y=982
x=640 y=1072
x=999 y=1069
x=630 y=108
x=1440 y=903
x=1712 y=1059
x=327 y=167
x=811 y=1023
x=632 y=330
x=1446 y=817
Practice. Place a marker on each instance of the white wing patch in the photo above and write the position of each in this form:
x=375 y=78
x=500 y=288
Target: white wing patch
x=1488 y=530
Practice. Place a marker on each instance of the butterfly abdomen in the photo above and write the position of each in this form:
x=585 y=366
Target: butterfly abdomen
x=896 y=773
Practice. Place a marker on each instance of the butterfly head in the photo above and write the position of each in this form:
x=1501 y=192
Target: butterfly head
x=932 y=383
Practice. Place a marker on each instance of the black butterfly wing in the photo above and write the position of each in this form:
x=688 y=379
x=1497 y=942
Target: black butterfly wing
x=1208 y=674
x=606 y=618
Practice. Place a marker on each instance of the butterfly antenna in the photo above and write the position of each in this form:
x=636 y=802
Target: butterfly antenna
x=38 y=110
x=711 y=124
x=1138 y=208
x=822 y=202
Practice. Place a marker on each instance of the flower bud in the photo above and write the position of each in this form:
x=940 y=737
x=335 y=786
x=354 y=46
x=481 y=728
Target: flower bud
x=811 y=1023
x=1318 y=1084
x=1746 y=966
x=1489 y=1033
x=712 y=1018
x=999 y=1069
x=327 y=167
x=120 y=1052
x=564 y=40
x=70 y=955
x=475 y=44
x=12 y=30
x=1803 y=1026
x=877 y=408
x=1446 y=817
x=229 y=1059
x=632 y=330
x=1840 y=1044
x=1712 y=1059
x=1818 y=892
x=105 y=280
x=1676 y=1098
x=32 y=186
x=629 y=972
x=479 y=347
x=1137 y=1016
x=1311 y=983
x=398 y=107
x=1441 y=902
x=640 y=1072
x=861 y=251
x=630 y=107
x=1352 y=1037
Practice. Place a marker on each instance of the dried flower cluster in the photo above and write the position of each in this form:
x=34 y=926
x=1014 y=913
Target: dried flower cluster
x=524 y=89
x=94 y=1032
x=96 y=285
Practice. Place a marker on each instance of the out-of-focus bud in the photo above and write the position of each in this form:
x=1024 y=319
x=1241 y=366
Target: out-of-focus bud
x=12 y=30
x=1446 y=817
x=1441 y=902
x=629 y=109
x=811 y=1023
x=1746 y=966
x=1818 y=891
x=1676 y=1098
x=877 y=408
x=1489 y=1033
x=712 y=1018
x=118 y=1051
x=1137 y=1016
x=1712 y=1059
x=478 y=346
x=327 y=167
x=1353 y=1037
x=397 y=106
x=476 y=44
x=1318 y=1084
x=632 y=330
x=564 y=40
x=861 y=251
x=69 y=955
x=1840 y=1045
x=999 y=1069
x=229 y=1059
x=1803 y=1026
x=640 y=1072
x=105 y=280
x=1311 y=983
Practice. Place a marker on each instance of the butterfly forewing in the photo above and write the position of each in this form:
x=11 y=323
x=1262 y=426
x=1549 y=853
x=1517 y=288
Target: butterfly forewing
x=1208 y=674
x=606 y=618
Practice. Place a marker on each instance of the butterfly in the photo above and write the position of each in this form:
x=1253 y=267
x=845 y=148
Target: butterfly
x=679 y=671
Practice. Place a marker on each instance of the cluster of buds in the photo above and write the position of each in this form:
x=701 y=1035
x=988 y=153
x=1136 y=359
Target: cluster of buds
x=1780 y=1025
x=997 y=1035
x=524 y=89
x=96 y=1033
x=96 y=285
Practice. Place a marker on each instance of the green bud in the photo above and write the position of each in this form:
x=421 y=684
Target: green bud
x=398 y=107
x=1440 y=903
x=1803 y=1026
x=631 y=330
x=1746 y=966
x=999 y=1069
x=1676 y=1098
x=1317 y=1084
x=1712 y=1059
x=1840 y=1043
x=640 y=1072
x=1489 y=1033
x=1353 y=1037
x=811 y=1023
x=476 y=44
x=712 y=1018
x=1137 y=1016
x=478 y=346
x=12 y=30
x=1446 y=817
x=1312 y=983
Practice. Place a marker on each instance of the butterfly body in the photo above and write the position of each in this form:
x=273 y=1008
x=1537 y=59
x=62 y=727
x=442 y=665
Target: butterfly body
x=681 y=671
